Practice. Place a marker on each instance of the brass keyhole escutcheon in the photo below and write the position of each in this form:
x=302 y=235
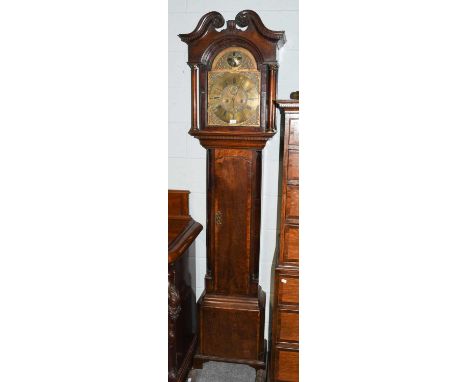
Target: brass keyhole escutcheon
x=219 y=217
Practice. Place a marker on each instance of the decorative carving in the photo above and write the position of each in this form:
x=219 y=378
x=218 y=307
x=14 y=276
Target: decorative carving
x=292 y=106
x=273 y=67
x=231 y=26
x=174 y=302
x=211 y=20
x=252 y=48
x=174 y=311
x=242 y=18
x=248 y=18
x=228 y=136
x=236 y=58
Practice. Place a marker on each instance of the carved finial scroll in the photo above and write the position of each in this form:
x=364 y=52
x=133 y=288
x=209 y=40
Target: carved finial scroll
x=245 y=18
x=231 y=25
x=211 y=20
x=248 y=18
x=242 y=18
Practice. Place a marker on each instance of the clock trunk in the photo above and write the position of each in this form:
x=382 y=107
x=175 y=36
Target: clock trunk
x=234 y=218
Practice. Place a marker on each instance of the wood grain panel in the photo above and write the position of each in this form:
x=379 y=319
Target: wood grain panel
x=178 y=202
x=292 y=202
x=294 y=131
x=232 y=217
x=239 y=327
x=291 y=244
x=288 y=366
x=293 y=165
x=288 y=326
x=288 y=289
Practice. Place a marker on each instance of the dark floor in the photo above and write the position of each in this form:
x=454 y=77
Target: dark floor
x=223 y=372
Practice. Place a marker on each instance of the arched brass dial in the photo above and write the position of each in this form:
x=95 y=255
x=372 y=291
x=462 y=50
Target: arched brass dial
x=234 y=89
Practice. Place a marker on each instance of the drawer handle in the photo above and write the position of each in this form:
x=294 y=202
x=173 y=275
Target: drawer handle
x=284 y=281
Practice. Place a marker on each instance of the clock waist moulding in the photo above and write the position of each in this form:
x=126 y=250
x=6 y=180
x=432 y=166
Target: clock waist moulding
x=233 y=87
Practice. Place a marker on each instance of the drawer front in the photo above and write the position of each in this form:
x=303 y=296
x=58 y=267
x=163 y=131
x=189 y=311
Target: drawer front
x=288 y=326
x=292 y=202
x=291 y=244
x=293 y=165
x=287 y=369
x=294 y=131
x=288 y=289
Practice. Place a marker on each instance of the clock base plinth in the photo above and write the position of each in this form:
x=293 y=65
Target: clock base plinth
x=199 y=360
x=231 y=330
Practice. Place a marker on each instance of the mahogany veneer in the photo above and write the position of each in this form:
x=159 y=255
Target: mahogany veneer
x=284 y=349
x=232 y=306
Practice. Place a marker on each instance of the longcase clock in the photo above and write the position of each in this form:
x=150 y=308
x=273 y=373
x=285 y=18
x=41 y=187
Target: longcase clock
x=233 y=85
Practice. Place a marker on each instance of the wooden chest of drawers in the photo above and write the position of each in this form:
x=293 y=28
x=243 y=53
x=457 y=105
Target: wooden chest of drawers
x=284 y=323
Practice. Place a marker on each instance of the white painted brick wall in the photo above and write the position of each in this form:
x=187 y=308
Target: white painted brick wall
x=187 y=168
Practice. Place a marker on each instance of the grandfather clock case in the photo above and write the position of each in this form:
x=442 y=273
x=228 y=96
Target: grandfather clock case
x=233 y=87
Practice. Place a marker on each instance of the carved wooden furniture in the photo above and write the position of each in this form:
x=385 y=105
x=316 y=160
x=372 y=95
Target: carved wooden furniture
x=284 y=348
x=234 y=78
x=181 y=298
